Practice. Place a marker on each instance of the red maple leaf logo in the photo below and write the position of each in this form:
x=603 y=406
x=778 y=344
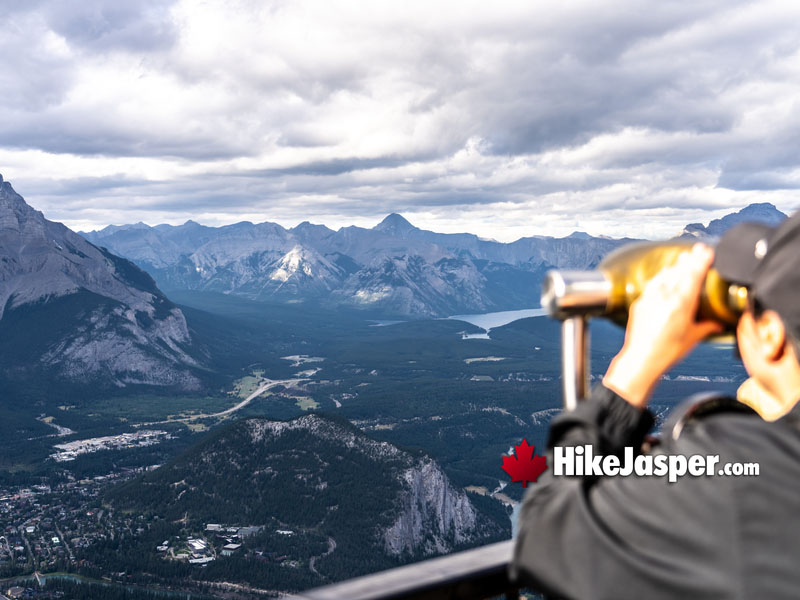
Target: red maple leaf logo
x=525 y=466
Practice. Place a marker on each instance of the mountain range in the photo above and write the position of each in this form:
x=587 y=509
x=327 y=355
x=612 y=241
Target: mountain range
x=72 y=305
x=393 y=268
x=81 y=312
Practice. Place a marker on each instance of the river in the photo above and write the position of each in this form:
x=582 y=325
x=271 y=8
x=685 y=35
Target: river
x=515 y=518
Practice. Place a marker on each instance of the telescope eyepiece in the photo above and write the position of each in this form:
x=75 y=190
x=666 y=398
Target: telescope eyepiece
x=571 y=293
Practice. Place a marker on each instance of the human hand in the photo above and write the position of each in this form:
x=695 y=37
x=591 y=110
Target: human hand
x=661 y=327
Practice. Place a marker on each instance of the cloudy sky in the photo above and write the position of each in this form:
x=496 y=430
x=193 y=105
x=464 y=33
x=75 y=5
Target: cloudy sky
x=504 y=119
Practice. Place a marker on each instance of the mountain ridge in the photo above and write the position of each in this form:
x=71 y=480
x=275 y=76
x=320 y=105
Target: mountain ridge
x=123 y=328
x=394 y=267
x=761 y=212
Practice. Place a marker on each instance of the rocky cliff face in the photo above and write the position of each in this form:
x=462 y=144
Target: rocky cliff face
x=433 y=517
x=428 y=514
x=86 y=313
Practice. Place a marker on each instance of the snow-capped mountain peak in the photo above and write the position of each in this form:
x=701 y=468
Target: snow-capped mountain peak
x=298 y=262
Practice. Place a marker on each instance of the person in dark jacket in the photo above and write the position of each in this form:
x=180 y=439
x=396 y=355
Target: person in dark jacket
x=708 y=536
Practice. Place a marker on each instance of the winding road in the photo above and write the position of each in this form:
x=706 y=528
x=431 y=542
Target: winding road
x=267 y=385
x=261 y=389
x=312 y=561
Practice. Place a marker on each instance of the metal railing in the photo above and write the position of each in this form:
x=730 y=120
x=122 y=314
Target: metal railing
x=470 y=575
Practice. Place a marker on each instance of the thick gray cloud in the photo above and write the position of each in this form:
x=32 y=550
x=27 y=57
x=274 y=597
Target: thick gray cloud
x=108 y=25
x=506 y=120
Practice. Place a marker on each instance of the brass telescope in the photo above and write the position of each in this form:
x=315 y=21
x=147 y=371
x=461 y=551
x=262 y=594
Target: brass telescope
x=573 y=297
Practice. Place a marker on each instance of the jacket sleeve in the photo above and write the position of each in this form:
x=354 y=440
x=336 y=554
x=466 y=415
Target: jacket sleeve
x=626 y=536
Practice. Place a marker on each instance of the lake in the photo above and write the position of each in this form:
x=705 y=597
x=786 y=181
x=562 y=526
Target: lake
x=487 y=321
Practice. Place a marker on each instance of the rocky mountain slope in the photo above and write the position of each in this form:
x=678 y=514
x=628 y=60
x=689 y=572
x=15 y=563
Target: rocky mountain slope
x=318 y=475
x=81 y=312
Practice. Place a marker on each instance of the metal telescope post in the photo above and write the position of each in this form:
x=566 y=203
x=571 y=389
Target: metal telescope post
x=575 y=361
x=573 y=297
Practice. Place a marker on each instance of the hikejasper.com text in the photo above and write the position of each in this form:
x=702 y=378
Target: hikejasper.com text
x=573 y=461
